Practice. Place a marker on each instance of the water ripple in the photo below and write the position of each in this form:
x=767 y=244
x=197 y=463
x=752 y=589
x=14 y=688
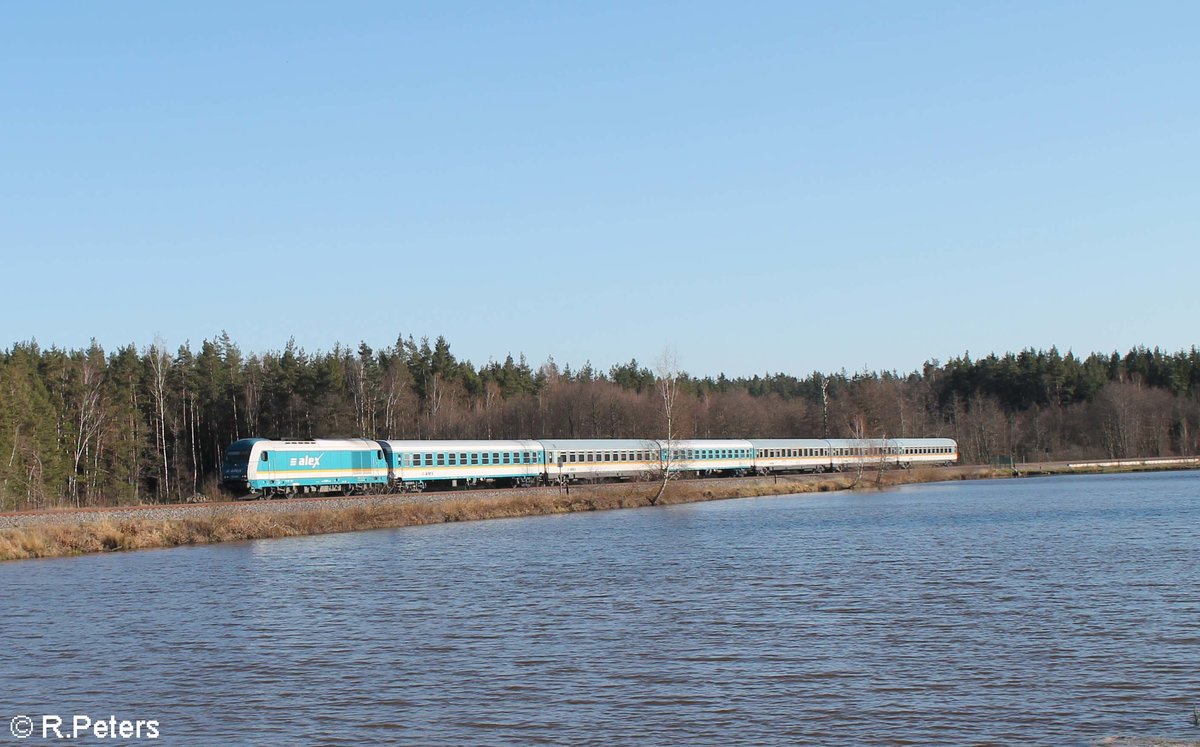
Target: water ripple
x=1050 y=611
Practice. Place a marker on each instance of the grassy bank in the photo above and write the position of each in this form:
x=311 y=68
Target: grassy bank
x=225 y=523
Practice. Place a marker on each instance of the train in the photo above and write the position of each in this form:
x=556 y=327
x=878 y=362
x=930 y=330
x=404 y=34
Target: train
x=264 y=468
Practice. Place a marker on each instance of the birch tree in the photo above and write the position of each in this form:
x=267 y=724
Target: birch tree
x=667 y=388
x=160 y=366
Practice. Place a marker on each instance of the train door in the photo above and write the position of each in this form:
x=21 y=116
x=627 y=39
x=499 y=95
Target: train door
x=390 y=461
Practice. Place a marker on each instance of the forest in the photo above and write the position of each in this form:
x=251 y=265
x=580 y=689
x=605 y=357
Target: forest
x=90 y=427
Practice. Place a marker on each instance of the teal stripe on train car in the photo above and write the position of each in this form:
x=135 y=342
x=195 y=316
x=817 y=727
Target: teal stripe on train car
x=408 y=475
x=316 y=481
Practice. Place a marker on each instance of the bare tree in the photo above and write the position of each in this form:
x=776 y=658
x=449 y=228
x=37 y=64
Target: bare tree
x=90 y=414
x=160 y=364
x=824 y=407
x=667 y=386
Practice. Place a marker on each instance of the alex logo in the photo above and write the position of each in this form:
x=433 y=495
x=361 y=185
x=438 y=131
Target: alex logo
x=307 y=461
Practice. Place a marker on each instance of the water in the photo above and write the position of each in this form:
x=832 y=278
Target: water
x=1049 y=611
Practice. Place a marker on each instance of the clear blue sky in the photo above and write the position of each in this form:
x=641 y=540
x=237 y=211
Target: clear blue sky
x=761 y=186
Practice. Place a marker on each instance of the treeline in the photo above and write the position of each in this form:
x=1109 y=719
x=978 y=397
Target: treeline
x=90 y=427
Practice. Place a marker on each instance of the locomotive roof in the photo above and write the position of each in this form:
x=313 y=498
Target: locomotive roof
x=318 y=443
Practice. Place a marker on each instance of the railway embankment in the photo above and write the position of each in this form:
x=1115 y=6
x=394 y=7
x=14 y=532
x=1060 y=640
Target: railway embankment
x=40 y=534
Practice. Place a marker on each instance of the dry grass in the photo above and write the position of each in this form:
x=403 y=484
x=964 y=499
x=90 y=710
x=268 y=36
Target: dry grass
x=226 y=524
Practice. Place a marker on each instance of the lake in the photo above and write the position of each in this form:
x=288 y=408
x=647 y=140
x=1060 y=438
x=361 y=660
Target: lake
x=1042 y=611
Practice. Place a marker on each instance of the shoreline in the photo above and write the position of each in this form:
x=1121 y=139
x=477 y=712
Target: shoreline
x=70 y=532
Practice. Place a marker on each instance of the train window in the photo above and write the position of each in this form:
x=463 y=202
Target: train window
x=487 y=458
x=441 y=460
x=264 y=456
x=379 y=454
x=462 y=458
x=453 y=459
x=474 y=459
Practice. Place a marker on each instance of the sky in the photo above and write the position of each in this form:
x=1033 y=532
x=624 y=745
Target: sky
x=758 y=187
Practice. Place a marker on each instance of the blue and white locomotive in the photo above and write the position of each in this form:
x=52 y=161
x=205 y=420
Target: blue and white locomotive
x=258 y=467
